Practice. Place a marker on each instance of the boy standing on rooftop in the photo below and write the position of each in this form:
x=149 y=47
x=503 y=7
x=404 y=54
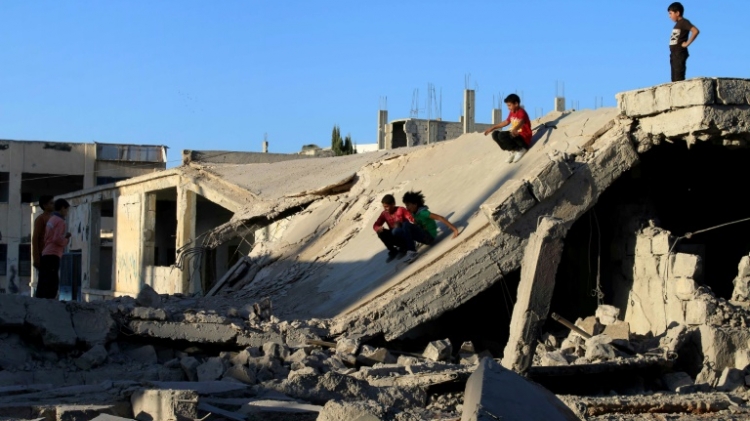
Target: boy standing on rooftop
x=679 y=42
x=518 y=138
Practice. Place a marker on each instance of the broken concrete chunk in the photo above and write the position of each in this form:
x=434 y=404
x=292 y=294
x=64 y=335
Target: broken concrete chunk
x=508 y=204
x=673 y=381
x=276 y=350
x=573 y=345
x=554 y=358
x=607 y=314
x=407 y=360
x=469 y=359
x=741 y=283
x=467 y=347
x=731 y=379
x=685 y=288
x=87 y=412
x=149 y=313
x=618 y=331
x=212 y=369
x=347 y=346
x=93 y=324
x=348 y=411
x=193 y=332
x=13 y=352
x=698 y=311
x=589 y=325
x=257 y=340
x=51 y=320
x=371 y=356
x=161 y=404
x=190 y=367
x=598 y=348
x=241 y=373
x=147 y=297
x=438 y=350
x=12 y=310
x=686 y=265
x=550 y=177
x=494 y=392
x=145 y=354
x=305 y=371
x=94 y=357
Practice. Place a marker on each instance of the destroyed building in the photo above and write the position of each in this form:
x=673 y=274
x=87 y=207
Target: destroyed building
x=29 y=169
x=626 y=221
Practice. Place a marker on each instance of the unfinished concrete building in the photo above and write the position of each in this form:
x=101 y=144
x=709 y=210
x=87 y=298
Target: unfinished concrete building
x=29 y=169
x=409 y=132
x=621 y=220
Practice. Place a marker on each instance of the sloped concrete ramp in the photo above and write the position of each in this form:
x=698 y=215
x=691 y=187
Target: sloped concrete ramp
x=327 y=262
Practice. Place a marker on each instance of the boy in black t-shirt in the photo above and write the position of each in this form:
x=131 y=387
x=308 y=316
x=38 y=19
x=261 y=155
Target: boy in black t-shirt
x=679 y=41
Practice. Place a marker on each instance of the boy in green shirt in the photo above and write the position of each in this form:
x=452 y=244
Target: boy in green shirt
x=424 y=229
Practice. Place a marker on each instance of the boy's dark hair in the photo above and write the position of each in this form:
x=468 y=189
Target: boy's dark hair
x=388 y=199
x=676 y=7
x=414 y=197
x=44 y=199
x=513 y=99
x=61 y=204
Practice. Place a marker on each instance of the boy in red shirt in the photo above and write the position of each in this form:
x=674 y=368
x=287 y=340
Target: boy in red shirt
x=518 y=138
x=56 y=238
x=392 y=237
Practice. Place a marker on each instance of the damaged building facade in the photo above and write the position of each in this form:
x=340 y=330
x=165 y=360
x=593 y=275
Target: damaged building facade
x=29 y=169
x=609 y=265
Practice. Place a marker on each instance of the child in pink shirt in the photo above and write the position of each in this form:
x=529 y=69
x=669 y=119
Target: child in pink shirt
x=56 y=238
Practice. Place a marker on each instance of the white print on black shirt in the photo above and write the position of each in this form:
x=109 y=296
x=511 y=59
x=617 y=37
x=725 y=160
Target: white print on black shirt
x=675 y=36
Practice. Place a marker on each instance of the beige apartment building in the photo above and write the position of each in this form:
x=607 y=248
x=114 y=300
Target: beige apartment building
x=29 y=169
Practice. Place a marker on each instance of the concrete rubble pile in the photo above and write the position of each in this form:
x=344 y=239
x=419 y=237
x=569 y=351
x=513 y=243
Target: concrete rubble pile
x=310 y=326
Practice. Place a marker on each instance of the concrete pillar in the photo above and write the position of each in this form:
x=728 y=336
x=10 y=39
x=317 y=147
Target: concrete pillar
x=186 y=212
x=432 y=131
x=538 y=268
x=13 y=228
x=468 y=111
x=382 y=122
x=559 y=104
x=89 y=165
x=497 y=115
x=265 y=146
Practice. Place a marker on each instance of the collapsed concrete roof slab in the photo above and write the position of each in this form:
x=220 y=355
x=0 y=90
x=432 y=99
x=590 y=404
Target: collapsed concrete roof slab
x=329 y=263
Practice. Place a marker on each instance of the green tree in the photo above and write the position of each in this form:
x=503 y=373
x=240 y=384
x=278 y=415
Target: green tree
x=341 y=146
x=348 y=146
x=337 y=144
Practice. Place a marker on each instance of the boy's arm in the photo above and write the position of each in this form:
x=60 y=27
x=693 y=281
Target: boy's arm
x=496 y=127
x=378 y=225
x=694 y=31
x=445 y=221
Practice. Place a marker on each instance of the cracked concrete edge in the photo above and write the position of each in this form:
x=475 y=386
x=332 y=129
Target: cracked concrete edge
x=538 y=269
x=486 y=258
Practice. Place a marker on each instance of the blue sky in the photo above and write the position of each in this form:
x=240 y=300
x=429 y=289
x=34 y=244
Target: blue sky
x=221 y=74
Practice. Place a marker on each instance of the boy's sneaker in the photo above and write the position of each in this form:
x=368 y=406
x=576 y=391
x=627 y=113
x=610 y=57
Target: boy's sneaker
x=510 y=157
x=391 y=255
x=517 y=156
x=410 y=256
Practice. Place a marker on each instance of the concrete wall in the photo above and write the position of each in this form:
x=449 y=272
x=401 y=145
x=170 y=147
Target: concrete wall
x=423 y=132
x=52 y=168
x=229 y=157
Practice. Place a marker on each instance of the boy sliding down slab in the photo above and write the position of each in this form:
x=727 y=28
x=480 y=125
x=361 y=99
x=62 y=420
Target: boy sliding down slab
x=393 y=237
x=424 y=229
x=518 y=138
